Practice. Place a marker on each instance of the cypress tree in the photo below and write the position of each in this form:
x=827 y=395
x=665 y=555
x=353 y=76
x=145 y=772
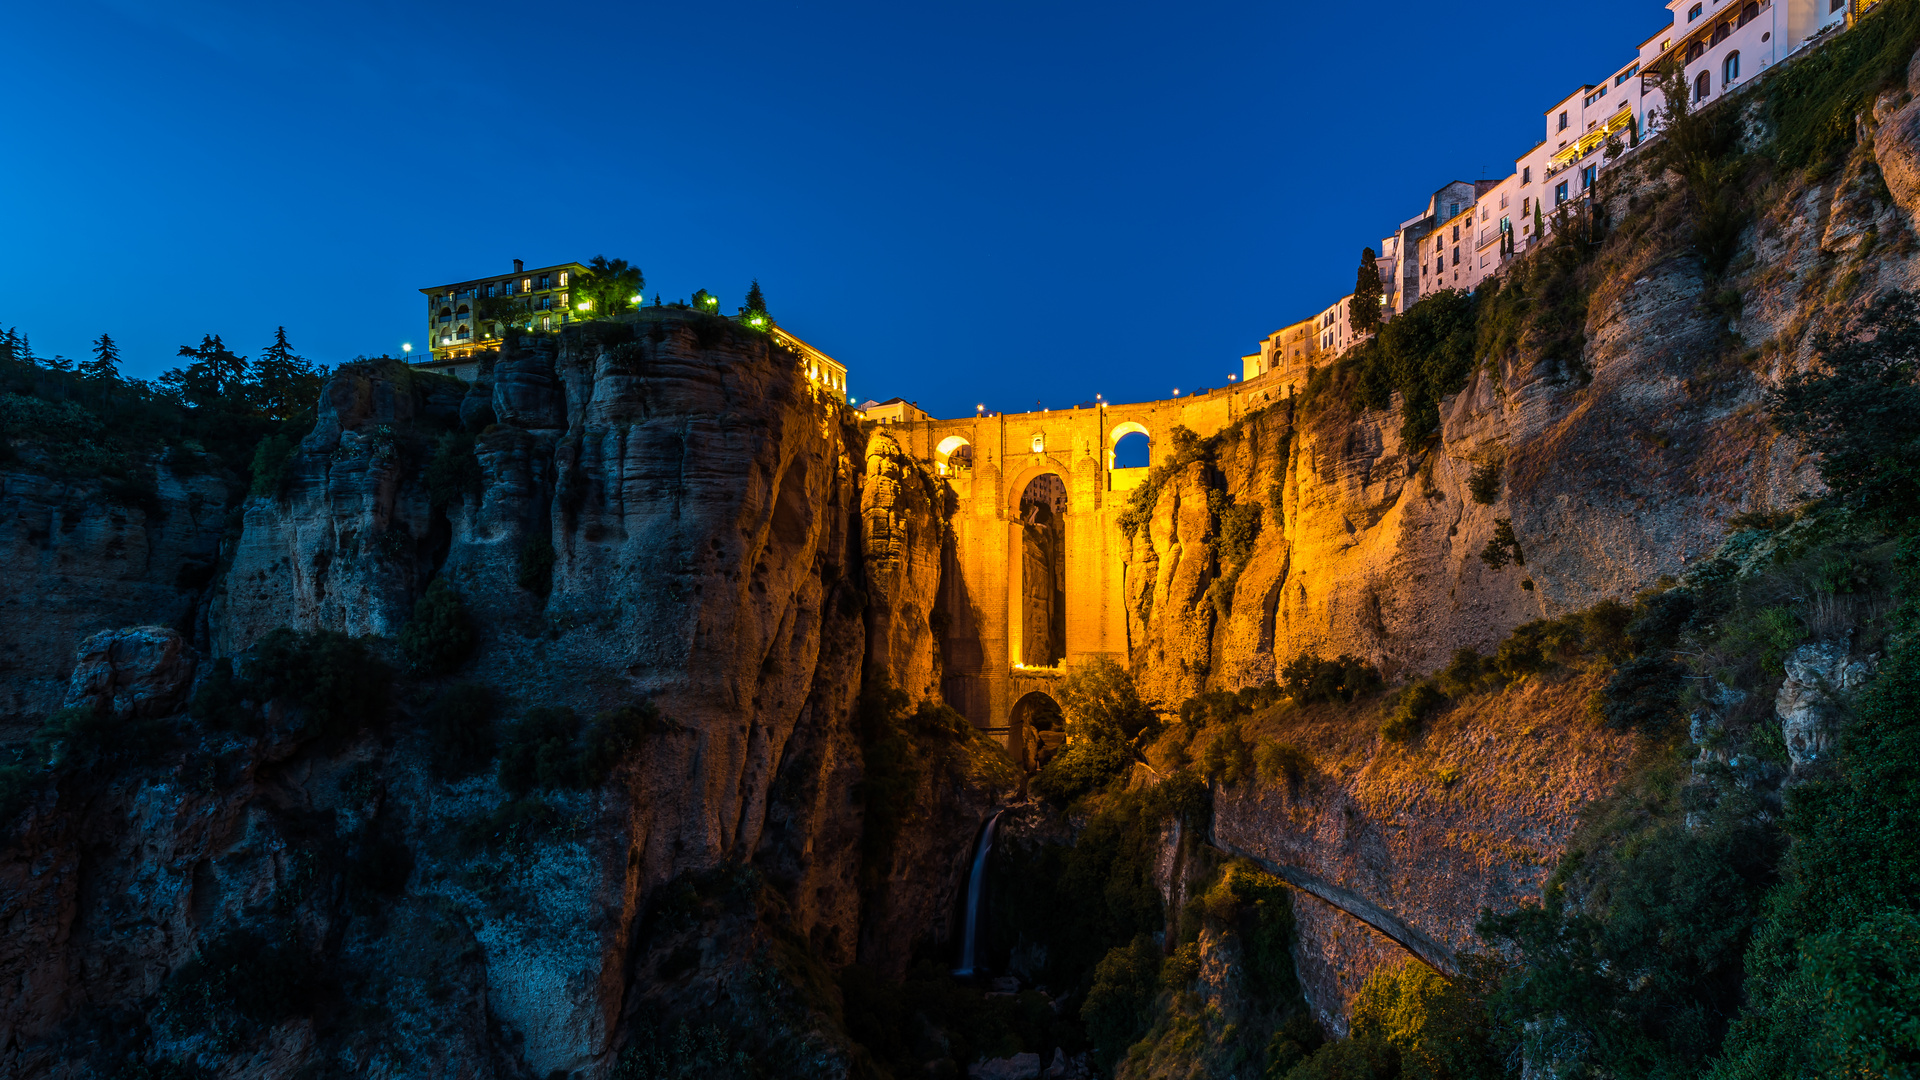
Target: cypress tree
x=105 y=365
x=1363 y=311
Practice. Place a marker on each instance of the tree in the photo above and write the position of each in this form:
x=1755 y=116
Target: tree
x=1363 y=311
x=609 y=287
x=105 y=365
x=284 y=383
x=755 y=301
x=23 y=352
x=60 y=363
x=214 y=376
x=502 y=311
x=1862 y=412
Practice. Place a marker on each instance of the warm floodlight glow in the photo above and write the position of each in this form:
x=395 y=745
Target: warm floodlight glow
x=584 y=305
x=406 y=346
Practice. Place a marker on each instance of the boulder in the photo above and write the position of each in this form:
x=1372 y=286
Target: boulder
x=1819 y=674
x=139 y=672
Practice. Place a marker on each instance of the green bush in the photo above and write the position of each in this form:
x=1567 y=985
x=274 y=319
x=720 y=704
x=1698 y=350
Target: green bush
x=460 y=730
x=273 y=463
x=1228 y=760
x=1307 y=678
x=1277 y=760
x=536 y=565
x=439 y=637
x=335 y=680
x=1119 y=1006
x=238 y=983
x=1416 y=703
x=1860 y=410
x=454 y=472
x=1082 y=768
x=1484 y=482
x=1504 y=548
x=550 y=748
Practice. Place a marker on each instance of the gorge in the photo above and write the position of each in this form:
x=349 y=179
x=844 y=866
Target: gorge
x=638 y=710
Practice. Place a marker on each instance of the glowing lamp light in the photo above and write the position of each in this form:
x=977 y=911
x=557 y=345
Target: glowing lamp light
x=758 y=321
x=406 y=346
x=1176 y=391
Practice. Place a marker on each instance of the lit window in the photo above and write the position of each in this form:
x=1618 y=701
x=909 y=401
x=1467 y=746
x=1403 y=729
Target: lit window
x=1526 y=206
x=1039 y=443
x=563 y=279
x=526 y=284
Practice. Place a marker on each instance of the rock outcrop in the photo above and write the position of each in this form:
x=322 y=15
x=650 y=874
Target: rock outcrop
x=1821 y=676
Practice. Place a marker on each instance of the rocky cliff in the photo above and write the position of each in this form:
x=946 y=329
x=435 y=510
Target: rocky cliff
x=664 y=512
x=1616 y=465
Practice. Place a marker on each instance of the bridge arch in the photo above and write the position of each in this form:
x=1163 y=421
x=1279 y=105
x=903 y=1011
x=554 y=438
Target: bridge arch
x=953 y=456
x=1037 y=637
x=1037 y=728
x=1121 y=431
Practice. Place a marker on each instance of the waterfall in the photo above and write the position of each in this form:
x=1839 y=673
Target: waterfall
x=976 y=890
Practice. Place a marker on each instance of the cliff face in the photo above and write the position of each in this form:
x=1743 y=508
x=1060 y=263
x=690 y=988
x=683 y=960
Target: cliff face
x=78 y=562
x=1614 y=470
x=666 y=511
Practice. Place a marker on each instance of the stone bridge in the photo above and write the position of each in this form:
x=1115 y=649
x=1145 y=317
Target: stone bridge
x=1035 y=578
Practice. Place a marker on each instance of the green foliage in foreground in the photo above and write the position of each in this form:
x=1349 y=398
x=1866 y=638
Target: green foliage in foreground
x=439 y=637
x=1815 y=101
x=1106 y=720
x=550 y=748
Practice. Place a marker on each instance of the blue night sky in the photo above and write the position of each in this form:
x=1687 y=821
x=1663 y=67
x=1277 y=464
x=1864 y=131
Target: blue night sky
x=990 y=203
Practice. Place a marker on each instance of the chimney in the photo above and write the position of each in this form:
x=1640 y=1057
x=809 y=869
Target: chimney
x=518 y=266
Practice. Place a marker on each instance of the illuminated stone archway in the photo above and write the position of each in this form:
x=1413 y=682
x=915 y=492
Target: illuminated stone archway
x=953 y=457
x=1121 y=431
x=1037 y=728
x=1041 y=517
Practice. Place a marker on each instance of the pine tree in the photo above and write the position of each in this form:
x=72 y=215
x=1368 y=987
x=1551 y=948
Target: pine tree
x=60 y=363
x=105 y=365
x=1363 y=311
x=10 y=344
x=284 y=382
x=755 y=301
x=212 y=378
x=24 y=354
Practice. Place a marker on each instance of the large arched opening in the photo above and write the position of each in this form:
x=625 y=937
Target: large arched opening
x=1129 y=446
x=953 y=457
x=1038 y=729
x=1042 y=641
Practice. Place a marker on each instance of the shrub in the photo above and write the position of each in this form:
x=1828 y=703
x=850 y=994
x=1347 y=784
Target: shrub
x=1082 y=768
x=454 y=472
x=1119 y=1005
x=1504 y=548
x=1416 y=703
x=439 y=637
x=460 y=730
x=238 y=983
x=1277 y=759
x=536 y=565
x=1307 y=677
x=334 y=679
x=1228 y=760
x=1484 y=482
x=273 y=463
x=539 y=751
x=1099 y=699
x=1644 y=694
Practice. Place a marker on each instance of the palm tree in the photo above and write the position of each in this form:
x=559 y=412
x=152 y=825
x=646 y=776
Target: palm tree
x=608 y=287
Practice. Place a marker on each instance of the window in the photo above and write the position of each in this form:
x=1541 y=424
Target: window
x=1596 y=95
x=1586 y=177
x=1695 y=51
x=546 y=281
x=546 y=322
x=1664 y=44
x=1560 y=193
x=1722 y=32
x=1484 y=212
x=1703 y=86
x=1526 y=207
x=1456 y=256
x=1836 y=5
x=1456 y=234
x=1730 y=69
x=1039 y=443
x=526 y=284
x=1506 y=225
x=1748 y=14
x=1503 y=200
x=1453 y=209
x=1632 y=71
x=563 y=279
x=1563 y=120
x=1526 y=175
x=1693 y=12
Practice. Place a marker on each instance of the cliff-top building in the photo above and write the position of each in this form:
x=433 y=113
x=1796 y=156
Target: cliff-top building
x=456 y=332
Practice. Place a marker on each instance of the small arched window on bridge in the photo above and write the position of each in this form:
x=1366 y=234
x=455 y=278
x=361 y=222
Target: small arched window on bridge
x=1129 y=447
x=1039 y=443
x=953 y=457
